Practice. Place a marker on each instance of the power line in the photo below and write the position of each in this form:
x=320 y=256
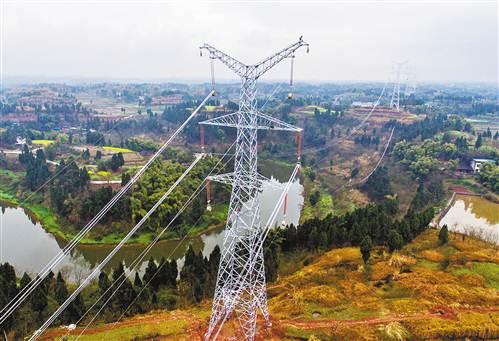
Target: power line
x=23 y=293
x=98 y=268
x=260 y=239
x=243 y=220
x=144 y=252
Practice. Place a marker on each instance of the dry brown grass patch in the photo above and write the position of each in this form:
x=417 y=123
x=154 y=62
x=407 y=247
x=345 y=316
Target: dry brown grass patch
x=469 y=325
x=398 y=260
x=433 y=255
x=382 y=270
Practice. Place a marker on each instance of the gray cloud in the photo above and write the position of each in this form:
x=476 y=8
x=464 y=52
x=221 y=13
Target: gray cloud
x=358 y=41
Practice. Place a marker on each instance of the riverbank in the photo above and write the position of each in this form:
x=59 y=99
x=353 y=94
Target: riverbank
x=51 y=223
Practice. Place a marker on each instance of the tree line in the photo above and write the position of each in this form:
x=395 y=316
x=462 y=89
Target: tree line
x=372 y=225
x=161 y=286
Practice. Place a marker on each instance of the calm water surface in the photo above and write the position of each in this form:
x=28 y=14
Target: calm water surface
x=26 y=245
x=474 y=216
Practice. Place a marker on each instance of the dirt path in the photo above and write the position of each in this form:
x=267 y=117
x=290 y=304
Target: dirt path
x=197 y=326
x=437 y=311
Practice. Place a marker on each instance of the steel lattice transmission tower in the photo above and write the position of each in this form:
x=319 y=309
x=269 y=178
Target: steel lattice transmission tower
x=395 y=101
x=240 y=285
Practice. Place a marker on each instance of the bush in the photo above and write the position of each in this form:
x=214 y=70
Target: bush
x=443 y=235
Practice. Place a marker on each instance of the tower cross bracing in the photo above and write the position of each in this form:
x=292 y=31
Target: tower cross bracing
x=240 y=289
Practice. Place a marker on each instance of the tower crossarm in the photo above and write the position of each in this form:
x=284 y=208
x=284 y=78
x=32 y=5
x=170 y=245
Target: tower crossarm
x=268 y=122
x=228 y=179
x=264 y=121
x=268 y=63
x=231 y=62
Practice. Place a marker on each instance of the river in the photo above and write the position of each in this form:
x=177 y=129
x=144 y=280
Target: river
x=473 y=215
x=28 y=247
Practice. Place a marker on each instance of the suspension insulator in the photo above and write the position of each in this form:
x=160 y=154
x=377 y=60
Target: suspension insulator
x=285 y=209
x=208 y=196
x=298 y=142
x=201 y=136
x=214 y=93
x=290 y=94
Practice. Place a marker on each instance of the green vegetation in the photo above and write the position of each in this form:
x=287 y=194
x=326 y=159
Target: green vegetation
x=197 y=281
x=489 y=176
x=467 y=183
x=423 y=159
x=486 y=270
x=378 y=184
x=139 y=331
x=443 y=235
x=140 y=145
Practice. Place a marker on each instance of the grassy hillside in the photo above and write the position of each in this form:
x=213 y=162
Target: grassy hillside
x=426 y=291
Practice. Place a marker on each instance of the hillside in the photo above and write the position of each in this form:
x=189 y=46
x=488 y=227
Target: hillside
x=425 y=291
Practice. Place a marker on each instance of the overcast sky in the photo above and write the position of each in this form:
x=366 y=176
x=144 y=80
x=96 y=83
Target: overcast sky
x=159 y=41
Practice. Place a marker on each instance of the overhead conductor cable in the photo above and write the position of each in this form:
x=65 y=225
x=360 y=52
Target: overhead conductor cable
x=98 y=269
x=23 y=293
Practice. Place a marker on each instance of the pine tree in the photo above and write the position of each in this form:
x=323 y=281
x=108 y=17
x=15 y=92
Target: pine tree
x=8 y=290
x=365 y=248
x=39 y=299
x=395 y=241
x=173 y=274
x=104 y=285
x=75 y=309
x=124 y=294
x=25 y=280
x=61 y=292
x=137 y=282
x=443 y=235
x=478 y=142
x=150 y=272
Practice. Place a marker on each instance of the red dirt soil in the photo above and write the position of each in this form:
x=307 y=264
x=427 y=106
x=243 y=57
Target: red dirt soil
x=198 y=326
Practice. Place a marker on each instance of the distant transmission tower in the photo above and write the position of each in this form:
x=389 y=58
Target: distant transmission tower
x=241 y=276
x=395 y=101
x=410 y=84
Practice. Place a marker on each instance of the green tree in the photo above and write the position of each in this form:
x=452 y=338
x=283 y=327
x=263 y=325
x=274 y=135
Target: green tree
x=365 y=248
x=61 y=291
x=443 y=235
x=314 y=197
x=25 y=280
x=39 y=299
x=125 y=178
x=150 y=274
x=137 y=282
x=478 y=142
x=395 y=241
x=124 y=294
x=378 y=184
x=86 y=154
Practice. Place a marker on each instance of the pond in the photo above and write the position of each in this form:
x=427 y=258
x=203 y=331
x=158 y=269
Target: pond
x=473 y=215
x=28 y=247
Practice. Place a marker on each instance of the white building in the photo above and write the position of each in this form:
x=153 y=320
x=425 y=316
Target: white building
x=477 y=164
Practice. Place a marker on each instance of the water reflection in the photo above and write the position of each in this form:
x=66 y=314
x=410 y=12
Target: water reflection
x=475 y=216
x=27 y=246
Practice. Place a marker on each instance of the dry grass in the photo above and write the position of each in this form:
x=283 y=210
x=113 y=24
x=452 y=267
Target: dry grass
x=432 y=255
x=396 y=297
x=396 y=331
x=467 y=325
x=398 y=260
